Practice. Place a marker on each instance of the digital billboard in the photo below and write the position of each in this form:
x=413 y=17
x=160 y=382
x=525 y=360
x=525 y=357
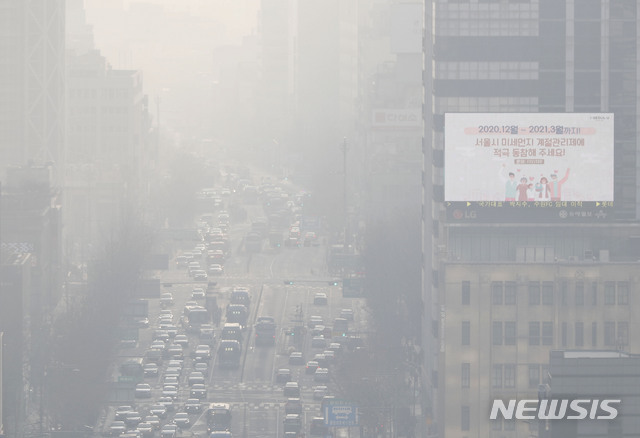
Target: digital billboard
x=529 y=161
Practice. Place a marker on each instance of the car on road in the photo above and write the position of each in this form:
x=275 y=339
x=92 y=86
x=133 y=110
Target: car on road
x=158 y=410
x=321 y=375
x=198 y=391
x=181 y=340
x=283 y=375
x=203 y=367
x=193 y=405
x=318 y=342
x=320 y=299
x=150 y=369
x=200 y=275
x=311 y=368
x=117 y=428
x=291 y=390
x=166 y=299
x=153 y=420
x=132 y=419
x=315 y=320
x=143 y=390
x=170 y=391
x=296 y=358
x=169 y=431
x=319 y=392
x=181 y=419
x=171 y=380
x=216 y=269
x=121 y=412
x=167 y=402
x=197 y=293
x=195 y=377
x=145 y=429
x=293 y=406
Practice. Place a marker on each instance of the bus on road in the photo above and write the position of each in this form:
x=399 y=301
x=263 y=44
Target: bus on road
x=218 y=417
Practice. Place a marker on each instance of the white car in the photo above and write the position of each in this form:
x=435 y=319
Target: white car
x=143 y=390
x=197 y=293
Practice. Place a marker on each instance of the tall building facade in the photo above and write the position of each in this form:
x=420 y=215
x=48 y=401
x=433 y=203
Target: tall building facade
x=31 y=82
x=501 y=290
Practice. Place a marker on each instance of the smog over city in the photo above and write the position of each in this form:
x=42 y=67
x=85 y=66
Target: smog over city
x=319 y=218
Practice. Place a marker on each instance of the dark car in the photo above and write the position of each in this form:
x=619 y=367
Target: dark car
x=193 y=405
x=283 y=375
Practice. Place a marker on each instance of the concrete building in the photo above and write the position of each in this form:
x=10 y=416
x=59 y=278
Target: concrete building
x=108 y=150
x=16 y=329
x=502 y=289
x=31 y=83
x=601 y=375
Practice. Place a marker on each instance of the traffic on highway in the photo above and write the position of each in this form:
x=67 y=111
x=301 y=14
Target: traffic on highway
x=245 y=332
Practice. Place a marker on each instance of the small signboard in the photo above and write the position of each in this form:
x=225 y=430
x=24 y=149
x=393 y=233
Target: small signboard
x=339 y=413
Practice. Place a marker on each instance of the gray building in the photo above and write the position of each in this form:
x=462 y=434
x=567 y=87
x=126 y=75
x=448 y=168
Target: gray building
x=596 y=374
x=531 y=56
x=32 y=83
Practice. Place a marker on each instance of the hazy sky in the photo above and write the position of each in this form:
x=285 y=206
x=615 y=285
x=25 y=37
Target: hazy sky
x=172 y=42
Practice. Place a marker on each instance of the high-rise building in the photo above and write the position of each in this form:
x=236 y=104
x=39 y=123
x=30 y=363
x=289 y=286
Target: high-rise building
x=107 y=150
x=508 y=277
x=31 y=83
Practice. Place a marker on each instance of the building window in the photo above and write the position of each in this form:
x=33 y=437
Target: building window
x=563 y=334
x=534 y=293
x=534 y=333
x=510 y=333
x=465 y=375
x=579 y=293
x=496 y=376
x=497 y=333
x=496 y=424
x=466 y=333
x=496 y=293
x=465 y=418
x=609 y=292
x=547 y=333
x=609 y=333
x=579 y=332
x=623 y=293
x=510 y=376
x=594 y=293
x=547 y=293
x=510 y=424
x=466 y=293
x=594 y=334
x=623 y=333
x=563 y=292
x=510 y=293
x=534 y=376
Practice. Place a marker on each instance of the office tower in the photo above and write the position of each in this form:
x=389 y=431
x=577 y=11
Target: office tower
x=546 y=87
x=31 y=82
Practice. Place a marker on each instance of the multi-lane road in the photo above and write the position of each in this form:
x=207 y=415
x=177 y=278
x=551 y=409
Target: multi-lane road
x=256 y=398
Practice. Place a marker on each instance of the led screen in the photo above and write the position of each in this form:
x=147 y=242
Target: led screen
x=528 y=157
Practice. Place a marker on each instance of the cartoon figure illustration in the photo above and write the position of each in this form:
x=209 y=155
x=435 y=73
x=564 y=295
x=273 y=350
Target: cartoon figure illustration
x=531 y=193
x=522 y=189
x=510 y=185
x=555 y=186
x=542 y=190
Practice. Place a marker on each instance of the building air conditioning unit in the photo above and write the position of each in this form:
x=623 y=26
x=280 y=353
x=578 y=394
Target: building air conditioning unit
x=588 y=254
x=573 y=258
